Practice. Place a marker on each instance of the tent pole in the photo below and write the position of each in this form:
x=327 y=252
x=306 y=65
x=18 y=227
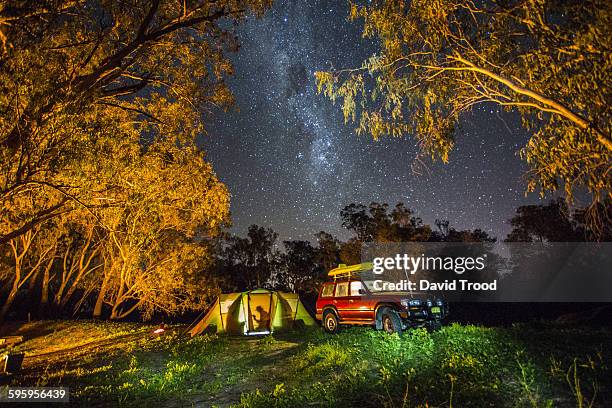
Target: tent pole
x=248 y=316
x=276 y=305
x=220 y=313
x=197 y=320
x=270 y=314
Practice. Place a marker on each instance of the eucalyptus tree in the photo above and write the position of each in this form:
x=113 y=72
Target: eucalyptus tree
x=100 y=105
x=548 y=60
x=74 y=69
x=156 y=246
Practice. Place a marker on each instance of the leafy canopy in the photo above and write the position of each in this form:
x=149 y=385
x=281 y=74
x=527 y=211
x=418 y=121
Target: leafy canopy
x=548 y=60
x=83 y=80
x=100 y=106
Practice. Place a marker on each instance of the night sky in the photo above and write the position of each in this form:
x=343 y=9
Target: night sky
x=292 y=164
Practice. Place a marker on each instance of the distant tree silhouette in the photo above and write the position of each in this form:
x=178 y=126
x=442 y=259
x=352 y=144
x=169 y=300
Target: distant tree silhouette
x=554 y=222
x=328 y=250
x=446 y=233
x=374 y=223
x=255 y=261
x=299 y=269
x=248 y=263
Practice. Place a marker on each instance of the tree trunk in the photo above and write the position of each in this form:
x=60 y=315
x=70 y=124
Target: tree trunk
x=73 y=287
x=97 y=312
x=15 y=286
x=44 y=294
x=117 y=314
x=9 y=300
x=71 y=281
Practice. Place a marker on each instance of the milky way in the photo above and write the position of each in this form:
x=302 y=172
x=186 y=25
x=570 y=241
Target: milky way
x=291 y=163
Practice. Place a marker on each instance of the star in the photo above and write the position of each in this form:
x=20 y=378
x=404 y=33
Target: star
x=291 y=163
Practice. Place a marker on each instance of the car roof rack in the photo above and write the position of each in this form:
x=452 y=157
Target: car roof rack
x=344 y=271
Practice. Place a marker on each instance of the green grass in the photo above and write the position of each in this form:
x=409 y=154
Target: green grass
x=534 y=365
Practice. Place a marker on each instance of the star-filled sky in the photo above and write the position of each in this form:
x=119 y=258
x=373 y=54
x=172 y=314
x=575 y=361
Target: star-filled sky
x=292 y=164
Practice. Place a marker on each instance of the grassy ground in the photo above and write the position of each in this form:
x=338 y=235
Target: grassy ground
x=524 y=365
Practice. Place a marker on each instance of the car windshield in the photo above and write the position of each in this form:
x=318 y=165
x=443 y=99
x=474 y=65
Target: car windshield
x=368 y=278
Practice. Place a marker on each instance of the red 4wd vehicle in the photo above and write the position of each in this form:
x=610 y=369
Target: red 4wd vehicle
x=352 y=299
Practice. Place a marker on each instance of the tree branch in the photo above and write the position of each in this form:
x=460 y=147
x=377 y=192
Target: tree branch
x=42 y=216
x=551 y=103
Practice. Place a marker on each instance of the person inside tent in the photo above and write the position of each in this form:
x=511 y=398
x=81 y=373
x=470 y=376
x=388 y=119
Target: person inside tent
x=263 y=323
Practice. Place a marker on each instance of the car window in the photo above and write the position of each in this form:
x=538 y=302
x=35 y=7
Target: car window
x=355 y=286
x=342 y=289
x=370 y=285
x=328 y=290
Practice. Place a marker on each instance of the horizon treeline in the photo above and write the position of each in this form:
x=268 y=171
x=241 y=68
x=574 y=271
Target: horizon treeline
x=72 y=279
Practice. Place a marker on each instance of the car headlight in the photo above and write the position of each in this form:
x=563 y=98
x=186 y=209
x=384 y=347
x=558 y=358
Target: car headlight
x=410 y=302
x=439 y=302
x=429 y=303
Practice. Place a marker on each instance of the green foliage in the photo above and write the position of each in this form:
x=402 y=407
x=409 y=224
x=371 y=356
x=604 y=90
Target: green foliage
x=546 y=59
x=322 y=359
x=467 y=366
x=184 y=364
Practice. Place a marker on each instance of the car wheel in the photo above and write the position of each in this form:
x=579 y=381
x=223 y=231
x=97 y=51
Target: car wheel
x=330 y=322
x=391 y=322
x=435 y=325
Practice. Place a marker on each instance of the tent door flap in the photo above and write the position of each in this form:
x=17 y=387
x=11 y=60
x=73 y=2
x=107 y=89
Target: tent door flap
x=260 y=308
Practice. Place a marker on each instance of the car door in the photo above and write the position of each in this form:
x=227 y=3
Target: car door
x=341 y=300
x=326 y=298
x=358 y=302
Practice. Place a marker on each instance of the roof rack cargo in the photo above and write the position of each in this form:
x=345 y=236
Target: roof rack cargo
x=343 y=271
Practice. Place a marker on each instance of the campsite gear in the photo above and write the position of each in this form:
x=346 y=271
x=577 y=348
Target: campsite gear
x=254 y=312
x=12 y=362
x=160 y=330
x=9 y=341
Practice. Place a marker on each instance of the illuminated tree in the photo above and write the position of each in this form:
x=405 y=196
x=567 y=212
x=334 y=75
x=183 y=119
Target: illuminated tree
x=548 y=60
x=172 y=203
x=73 y=70
x=100 y=105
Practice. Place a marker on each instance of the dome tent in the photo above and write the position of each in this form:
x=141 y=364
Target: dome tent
x=254 y=312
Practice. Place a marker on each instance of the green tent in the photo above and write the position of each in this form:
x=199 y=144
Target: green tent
x=257 y=311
